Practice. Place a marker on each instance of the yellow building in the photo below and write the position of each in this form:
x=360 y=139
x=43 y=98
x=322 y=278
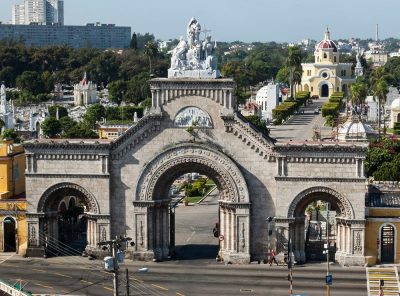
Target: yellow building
x=13 y=230
x=112 y=131
x=382 y=224
x=326 y=75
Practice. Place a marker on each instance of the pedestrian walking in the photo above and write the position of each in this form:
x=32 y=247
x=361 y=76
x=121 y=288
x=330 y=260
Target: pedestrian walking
x=272 y=258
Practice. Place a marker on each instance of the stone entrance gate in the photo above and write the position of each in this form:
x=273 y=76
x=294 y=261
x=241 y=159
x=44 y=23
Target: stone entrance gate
x=128 y=179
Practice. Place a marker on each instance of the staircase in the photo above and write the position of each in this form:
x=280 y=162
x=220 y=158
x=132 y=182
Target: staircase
x=389 y=275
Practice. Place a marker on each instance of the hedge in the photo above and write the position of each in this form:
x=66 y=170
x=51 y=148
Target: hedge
x=396 y=128
x=335 y=100
x=330 y=109
x=283 y=111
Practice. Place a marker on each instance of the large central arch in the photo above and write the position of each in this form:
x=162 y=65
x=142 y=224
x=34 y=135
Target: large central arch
x=151 y=202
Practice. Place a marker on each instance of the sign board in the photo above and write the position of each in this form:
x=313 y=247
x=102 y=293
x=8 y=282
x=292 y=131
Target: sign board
x=221 y=237
x=328 y=279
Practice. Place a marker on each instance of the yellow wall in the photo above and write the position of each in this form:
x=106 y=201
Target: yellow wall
x=376 y=217
x=15 y=209
x=12 y=169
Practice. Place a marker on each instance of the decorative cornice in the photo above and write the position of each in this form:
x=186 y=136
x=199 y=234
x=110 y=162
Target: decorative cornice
x=322 y=149
x=234 y=205
x=360 y=222
x=191 y=84
x=98 y=216
x=320 y=179
x=64 y=175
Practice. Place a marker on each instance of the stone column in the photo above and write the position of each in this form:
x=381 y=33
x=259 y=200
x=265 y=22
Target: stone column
x=153 y=98
x=338 y=238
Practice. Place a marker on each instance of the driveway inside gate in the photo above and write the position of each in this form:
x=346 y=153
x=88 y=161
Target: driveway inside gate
x=300 y=127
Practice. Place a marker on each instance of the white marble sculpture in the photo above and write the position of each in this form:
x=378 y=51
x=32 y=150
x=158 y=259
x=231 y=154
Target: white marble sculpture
x=194 y=58
x=359 y=69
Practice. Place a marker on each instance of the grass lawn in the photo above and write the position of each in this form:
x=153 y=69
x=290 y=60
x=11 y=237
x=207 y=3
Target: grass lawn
x=194 y=199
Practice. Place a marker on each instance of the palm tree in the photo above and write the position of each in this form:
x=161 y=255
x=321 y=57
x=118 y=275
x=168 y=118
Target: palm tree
x=150 y=50
x=380 y=90
x=358 y=92
x=293 y=61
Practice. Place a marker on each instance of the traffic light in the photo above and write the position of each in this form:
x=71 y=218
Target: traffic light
x=270 y=232
x=269 y=219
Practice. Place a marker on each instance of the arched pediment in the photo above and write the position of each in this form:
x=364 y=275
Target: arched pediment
x=321 y=192
x=48 y=200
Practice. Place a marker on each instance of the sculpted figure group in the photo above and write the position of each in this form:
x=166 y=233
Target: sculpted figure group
x=194 y=53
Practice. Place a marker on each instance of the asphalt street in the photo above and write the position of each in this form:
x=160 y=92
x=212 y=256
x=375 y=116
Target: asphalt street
x=194 y=271
x=300 y=127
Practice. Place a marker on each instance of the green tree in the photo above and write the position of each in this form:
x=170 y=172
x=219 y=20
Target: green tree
x=380 y=90
x=150 y=50
x=62 y=111
x=94 y=113
x=358 y=91
x=10 y=134
x=133 y=43
x=138 y=88
x=293 y=61
x=81 y=131
x=283 y=75
x=116 y=90
x=259 y=123
x=31 y=82
x=51 y=127
x=67 y=123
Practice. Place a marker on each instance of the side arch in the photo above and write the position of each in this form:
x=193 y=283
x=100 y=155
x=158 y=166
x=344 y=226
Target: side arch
x=325 y=193
x=48 y=198
x=164 y=169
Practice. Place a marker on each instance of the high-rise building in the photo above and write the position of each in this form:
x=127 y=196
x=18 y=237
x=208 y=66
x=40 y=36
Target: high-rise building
x=38 y=11
x=55 y=11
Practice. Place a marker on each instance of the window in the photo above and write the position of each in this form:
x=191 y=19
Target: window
x=325 y=56
x=312 y=88
x=334 y=59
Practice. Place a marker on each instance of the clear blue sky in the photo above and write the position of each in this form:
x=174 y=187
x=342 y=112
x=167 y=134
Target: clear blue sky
x=245 y=20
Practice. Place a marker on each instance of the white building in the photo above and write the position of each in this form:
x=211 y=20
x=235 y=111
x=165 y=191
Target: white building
x=6 y=111
x=372 y=109
x=85 y=92
x=38 y=11
x=267 y=98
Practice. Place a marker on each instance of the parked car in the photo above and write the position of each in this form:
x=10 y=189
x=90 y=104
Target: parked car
x=316 y=110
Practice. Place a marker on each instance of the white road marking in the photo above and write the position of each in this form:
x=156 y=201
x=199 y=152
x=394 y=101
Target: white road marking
x=190 y=236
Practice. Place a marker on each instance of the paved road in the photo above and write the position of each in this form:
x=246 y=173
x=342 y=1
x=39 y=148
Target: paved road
x=78 y=276
x=201 y=275
x=194 y=229
x=301 y=126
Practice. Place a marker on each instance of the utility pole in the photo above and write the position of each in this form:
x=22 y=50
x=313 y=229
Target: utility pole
x=290 y=263
x=127 y=281
x=115 y=245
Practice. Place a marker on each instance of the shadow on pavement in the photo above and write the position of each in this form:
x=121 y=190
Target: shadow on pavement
x=195 y=251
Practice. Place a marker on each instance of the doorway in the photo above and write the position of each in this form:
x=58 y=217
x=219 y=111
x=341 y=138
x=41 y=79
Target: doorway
x=9 y=235
x=324 y=90
x=387 y=244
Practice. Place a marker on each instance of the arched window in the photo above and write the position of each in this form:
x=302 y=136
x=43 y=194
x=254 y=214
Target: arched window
x=334 y=59
x=325 y=56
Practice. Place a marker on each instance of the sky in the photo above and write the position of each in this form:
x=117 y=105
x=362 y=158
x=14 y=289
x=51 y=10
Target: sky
x=244 y=20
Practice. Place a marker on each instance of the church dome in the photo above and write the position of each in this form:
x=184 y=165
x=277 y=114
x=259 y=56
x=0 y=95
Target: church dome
x=327 y=43
x=395 y=106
